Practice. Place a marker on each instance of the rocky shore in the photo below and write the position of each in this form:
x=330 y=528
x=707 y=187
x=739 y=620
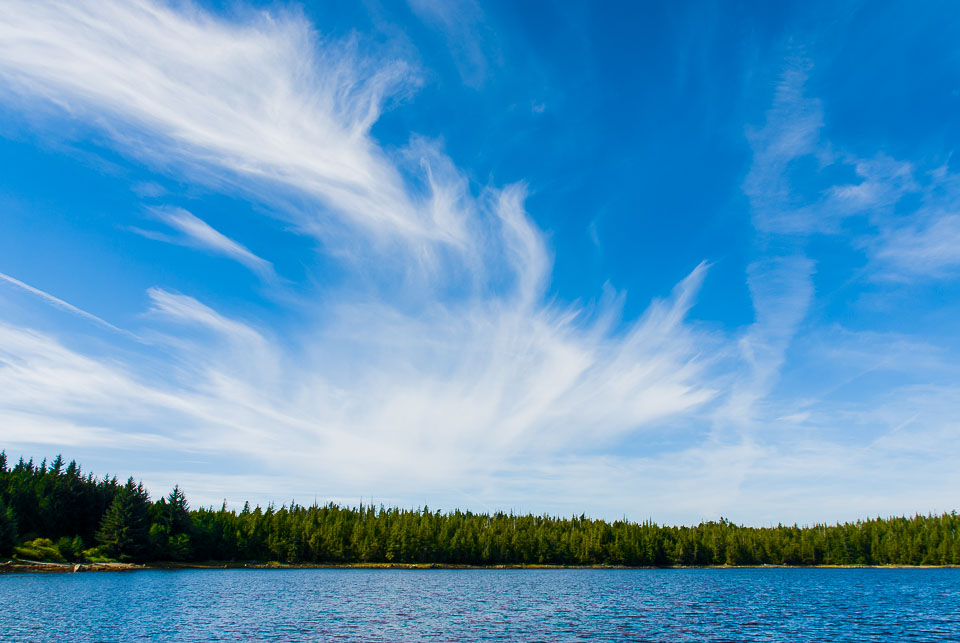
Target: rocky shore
x=33 y=566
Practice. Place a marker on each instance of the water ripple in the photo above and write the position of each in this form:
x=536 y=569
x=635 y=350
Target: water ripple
x=489 y=605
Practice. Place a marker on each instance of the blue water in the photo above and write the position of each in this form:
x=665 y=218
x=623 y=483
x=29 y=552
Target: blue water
x=470 y=605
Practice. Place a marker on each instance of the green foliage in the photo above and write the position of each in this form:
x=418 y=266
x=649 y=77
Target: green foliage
x=124 y=531
x=171 y=528
x=95 y=555
x=54 y=501
x=70 y=548
x=39 y=549
x=8 y=528
x=57 y=502
x=337 y=534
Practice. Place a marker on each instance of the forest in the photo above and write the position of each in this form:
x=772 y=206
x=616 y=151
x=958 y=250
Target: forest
x=53 y=512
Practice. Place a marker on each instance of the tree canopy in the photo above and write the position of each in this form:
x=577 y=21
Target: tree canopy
x=55 y=511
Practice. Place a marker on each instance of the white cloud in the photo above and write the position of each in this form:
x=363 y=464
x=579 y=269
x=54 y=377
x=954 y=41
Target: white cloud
x=467 y=37
x=450 y=370
x=782 y=290
x=906 y=243
x=883 y=182
x=39 y=375
x=59 y=303
x=452 y=400
x=440 y=369
x=921 y=242
x=255 y=99
x=926 y=248
x=791 y=131
x=198 y=233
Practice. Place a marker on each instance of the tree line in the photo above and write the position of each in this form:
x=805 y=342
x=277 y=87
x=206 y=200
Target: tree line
x=55 y=512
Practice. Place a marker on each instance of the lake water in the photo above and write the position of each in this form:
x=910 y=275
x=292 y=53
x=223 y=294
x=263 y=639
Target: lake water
x=470 y=605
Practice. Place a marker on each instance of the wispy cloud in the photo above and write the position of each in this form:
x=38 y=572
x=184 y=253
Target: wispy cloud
x=255 y=99
x=44 y=378
x=925 y=244
x=782 y=290
x=59 y=303
x=780 y=281
x=826 y=427
x=198 y=233
x=462 y=24
x=438 y=367
x=918 y=242
x=931 y=248
x=449 y=401
x=440 y=364
x=791 y=131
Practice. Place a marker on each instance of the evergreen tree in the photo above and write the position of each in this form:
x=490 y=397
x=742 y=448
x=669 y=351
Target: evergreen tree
x=171 y=527
x=8 y=529
x=180 y=522
x=58 y=509
x=125 y=528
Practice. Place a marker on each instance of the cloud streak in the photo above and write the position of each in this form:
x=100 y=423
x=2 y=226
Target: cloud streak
x=198 y=233
x=254 y=99
x=467 y=37
x=59 y=303
x=930 y=248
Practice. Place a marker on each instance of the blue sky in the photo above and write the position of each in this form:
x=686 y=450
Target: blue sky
x=648 y=260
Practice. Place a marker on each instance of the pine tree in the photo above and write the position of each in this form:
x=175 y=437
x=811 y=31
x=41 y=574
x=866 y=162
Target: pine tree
x=124 y=532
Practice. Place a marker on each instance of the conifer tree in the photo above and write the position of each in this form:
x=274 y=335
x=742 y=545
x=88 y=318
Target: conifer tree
x=8 y=529
x=180 y=522
x=171 y=528
x=53 y=503
x=124 y=531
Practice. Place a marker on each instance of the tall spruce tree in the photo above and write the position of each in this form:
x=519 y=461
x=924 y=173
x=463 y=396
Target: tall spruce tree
x=180 y=522
x=124 y=532
x=171 y=528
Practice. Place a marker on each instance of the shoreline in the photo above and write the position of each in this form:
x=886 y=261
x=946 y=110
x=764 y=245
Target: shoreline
x=15 y=566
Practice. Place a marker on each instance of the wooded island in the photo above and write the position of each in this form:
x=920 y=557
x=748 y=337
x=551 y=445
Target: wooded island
x=55 y=513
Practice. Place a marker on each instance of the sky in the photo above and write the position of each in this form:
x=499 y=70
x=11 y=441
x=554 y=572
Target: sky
x=660 y=260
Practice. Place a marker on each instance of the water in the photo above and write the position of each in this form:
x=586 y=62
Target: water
x=471 y=605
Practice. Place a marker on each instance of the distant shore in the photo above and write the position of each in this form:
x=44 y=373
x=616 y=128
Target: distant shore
x=110 y=521
x=13 y=566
